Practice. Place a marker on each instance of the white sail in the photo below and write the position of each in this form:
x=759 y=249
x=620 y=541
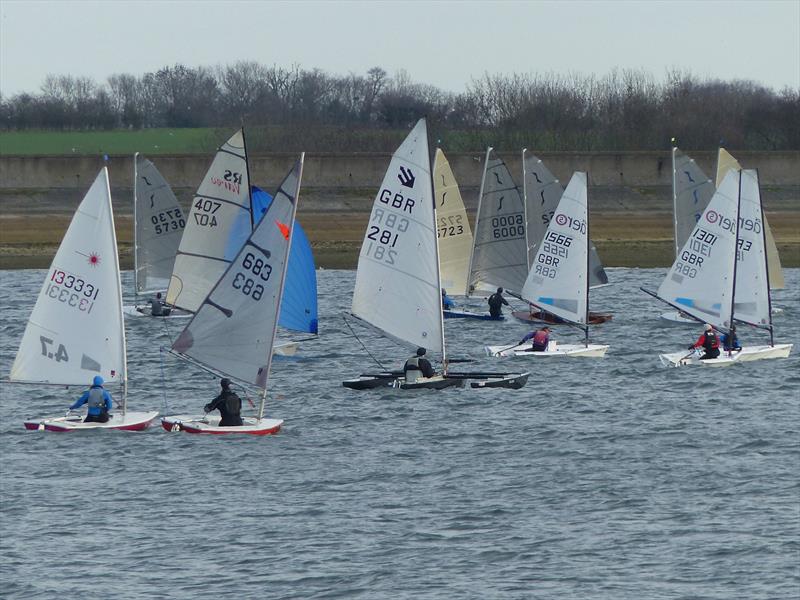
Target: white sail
x=700 y=281
x=499 y=254
x=752 y=303
x=233 y=330
x=557 y=281
x=397 y=283
x=75 y=330
x=455 y=235
x=158 y=227
x=726 y=162
x=222 y=201
x=542 y=193
x=691 y=193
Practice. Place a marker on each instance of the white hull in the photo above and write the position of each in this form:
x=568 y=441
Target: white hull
x=210 y=424
x=675 y=316
x=131 y=421
x=143 y=310
x=725 y=359
x=553 y=349
x=286 y=348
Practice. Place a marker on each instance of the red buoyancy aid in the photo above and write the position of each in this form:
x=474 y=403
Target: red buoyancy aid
x=540 y=338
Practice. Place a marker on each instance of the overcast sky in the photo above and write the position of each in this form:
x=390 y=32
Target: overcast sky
x=442 y=43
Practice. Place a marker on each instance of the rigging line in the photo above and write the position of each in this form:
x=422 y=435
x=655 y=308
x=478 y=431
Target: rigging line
x=362 y=344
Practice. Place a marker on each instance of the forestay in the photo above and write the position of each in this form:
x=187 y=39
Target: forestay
x=453 y=230
x=222 y=201
x=752 y=303
x=75 y=330
x=726 y=162
x=700 y=282
x=397 y=282
x=557 y=281
x=159 y=224
x=233 y=330
x=499 y=254
x=542 y=193
x=691 y=192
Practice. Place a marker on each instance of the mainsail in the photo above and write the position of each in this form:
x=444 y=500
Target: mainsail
x=691 y=193
x=76 y=330
x=726 y=162
x=221 y=201
x=700 y=282
x=158 y=227
x=397 y=283
x=499 y=254
x=752 y=303
x=233 y=330
x=542 y=193
x=557 y=281
x=455 y=235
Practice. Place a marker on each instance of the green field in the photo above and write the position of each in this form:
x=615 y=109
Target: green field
x=120 y=141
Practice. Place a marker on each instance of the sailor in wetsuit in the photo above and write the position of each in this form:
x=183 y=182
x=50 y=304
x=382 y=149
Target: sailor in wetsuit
x=418 y=367
x=496 y=302
x=157 y=308
x=730 y=341
x=447 y=301
x=709 y=342
x=539 y=339
x=228 y=404
x=98 y=401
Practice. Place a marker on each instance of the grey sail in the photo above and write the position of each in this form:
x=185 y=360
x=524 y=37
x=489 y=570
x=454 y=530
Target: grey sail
x=542 y=192
x=691 y=192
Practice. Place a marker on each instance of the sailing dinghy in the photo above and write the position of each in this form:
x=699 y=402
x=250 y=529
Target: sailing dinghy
x=542 y=192
x=722 y=274
x=398 y=287
x=233 y=331
x=158 y=224
x=558 y=282
x=76 y=329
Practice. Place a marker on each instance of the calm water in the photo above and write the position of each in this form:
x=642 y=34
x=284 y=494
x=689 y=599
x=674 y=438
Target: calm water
x=613 y=478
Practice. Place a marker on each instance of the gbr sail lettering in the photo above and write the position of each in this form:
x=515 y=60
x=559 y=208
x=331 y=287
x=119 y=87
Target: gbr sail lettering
x=386 y=226
x=692 y=257
x=555 y=247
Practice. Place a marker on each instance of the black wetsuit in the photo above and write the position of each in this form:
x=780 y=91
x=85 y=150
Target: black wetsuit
x=229 y=406
x=419 y=363
x=710 y=345
x=496 y=302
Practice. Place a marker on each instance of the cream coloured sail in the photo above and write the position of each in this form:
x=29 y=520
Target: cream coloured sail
x=453 y=230
x=499 y=253
x=76 y=330
x=752 y=303
x=397 y=286
x=158 y=227
x=233 y=330
x=726 y=162
x=542 y=193
x=691 y=193
x=557 y=281
x=222 y=201
x=700 y=282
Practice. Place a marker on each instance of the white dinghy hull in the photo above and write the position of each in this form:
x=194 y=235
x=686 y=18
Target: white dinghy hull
x=725 y=359
x=143 y=310
x=210 y=424
x=571 y=350
x=130 y=421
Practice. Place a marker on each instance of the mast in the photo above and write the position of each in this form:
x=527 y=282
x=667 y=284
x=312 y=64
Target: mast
x=121 y=318
x=249 y=187
x=525 y=211
x=436 y=246
x=586 y=324
x=766 y=259
x=477 y=218
x=674 y=202
x=283 y=280
x=135 y=229
x=736 y=252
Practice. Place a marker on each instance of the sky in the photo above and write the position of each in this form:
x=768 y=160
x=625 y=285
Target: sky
x=445 y=44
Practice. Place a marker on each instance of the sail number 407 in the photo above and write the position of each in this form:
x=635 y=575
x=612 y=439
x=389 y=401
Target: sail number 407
x=205 y=211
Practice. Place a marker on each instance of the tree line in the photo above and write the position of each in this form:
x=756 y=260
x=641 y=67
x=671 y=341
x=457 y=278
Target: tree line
x=295 y=108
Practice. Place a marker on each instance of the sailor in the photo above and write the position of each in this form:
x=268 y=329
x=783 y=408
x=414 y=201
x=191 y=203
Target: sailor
x=228 y=404
x=447 y=301
x=730 y=342
x=496 y=302
x=418 y=367
x=539 y=339
x=98 y=400
x=709 y=342
x=157 y=308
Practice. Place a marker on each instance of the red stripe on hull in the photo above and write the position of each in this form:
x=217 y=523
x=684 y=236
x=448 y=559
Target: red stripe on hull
x=31 y=426
x=190 y=429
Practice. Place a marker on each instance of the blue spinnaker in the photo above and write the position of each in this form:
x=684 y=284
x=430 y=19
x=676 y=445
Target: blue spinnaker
x=299 y=304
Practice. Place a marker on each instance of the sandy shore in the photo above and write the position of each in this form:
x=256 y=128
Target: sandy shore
x=623 y=239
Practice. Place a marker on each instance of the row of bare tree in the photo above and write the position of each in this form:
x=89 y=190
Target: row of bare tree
x=623 y=110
